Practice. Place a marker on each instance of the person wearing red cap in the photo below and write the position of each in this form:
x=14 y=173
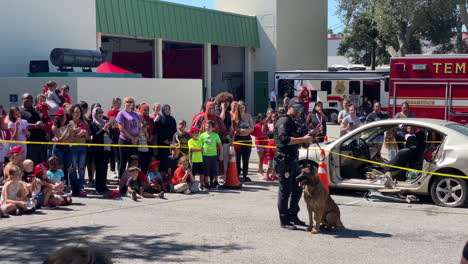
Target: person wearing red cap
x=154 y=177
x=42 y=190
x=305 y=95
x=16 y=159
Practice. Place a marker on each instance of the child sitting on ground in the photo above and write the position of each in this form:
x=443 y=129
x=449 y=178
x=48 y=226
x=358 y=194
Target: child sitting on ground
x=171 y=162
x=55 y=175
x=133 y=161
x=183 y=179
x=270 y=155
x=156 y=180
x=196 y=156
x=28 y=166
x=212 y=150
x=135 y=186
x=41 y=189
x=13 y=199
x=181 y=137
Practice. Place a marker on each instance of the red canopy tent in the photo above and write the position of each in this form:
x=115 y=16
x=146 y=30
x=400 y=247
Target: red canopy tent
x=106 y=67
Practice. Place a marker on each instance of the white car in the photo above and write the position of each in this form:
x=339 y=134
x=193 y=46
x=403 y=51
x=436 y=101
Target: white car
x=445 y=150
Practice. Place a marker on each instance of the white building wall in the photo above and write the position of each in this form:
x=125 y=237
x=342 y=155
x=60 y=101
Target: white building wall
x=30 y=29
x=183 y=95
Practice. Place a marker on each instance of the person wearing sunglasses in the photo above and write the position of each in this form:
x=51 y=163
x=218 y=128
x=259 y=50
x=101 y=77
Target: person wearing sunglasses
x=289 y=136
x=128 y=122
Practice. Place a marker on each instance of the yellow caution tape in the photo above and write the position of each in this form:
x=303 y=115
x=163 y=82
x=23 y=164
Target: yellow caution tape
x=368 y=161
x=87 y=144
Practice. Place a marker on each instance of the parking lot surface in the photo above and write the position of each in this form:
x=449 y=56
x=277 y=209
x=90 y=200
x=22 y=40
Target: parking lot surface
x=237 y=226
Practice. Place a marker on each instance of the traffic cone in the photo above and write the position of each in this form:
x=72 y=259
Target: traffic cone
x=325 y=139
x=322 y=170
x=232 y=179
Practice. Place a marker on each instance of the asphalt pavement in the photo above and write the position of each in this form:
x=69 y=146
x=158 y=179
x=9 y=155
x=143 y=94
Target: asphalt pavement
x=237 y=226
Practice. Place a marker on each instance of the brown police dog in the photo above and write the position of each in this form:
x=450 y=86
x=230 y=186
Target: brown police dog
x=319 y=202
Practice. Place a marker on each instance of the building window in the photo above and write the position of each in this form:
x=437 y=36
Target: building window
x=326 y=86
x=354 y=86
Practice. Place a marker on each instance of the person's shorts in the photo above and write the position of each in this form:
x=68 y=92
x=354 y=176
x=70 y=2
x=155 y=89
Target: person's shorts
x=197 y=168
x=260 y=149
x=270 y=164
x=39 y=198
x=151 y=190
x=211 y=166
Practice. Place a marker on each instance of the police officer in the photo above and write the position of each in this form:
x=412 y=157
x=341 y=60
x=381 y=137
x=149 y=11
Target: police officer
x=289 y=136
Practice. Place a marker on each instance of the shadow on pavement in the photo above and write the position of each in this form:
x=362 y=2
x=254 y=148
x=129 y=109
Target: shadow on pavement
x=34 y=244
x=350 y=233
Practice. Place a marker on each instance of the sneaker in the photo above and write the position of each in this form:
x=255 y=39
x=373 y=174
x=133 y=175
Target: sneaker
x=269 y=179
x=297 y=221
x=134 y=196
x=3 y=215
x=83 y=193
x=288 y=226
x=247 y=179
x=161 y=195
x=187 y=191
x=48 y=206
x=263 y=178
x=19 y=211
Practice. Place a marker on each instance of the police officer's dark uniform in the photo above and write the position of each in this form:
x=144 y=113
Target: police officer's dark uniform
x=287 y=167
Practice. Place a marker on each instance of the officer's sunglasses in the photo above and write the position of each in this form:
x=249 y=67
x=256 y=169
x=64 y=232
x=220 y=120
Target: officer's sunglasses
x=298 y=108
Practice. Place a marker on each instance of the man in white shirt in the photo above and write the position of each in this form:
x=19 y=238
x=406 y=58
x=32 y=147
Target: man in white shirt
x=273 y=99
x=345 y=112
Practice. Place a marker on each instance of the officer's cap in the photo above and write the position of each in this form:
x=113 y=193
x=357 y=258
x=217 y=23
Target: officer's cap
x=295 y=102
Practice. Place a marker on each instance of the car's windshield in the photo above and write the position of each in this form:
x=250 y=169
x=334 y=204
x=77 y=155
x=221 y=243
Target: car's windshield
x=460 y=128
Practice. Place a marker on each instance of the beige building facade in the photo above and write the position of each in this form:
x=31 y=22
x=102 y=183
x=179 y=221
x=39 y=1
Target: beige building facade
x=293 y=33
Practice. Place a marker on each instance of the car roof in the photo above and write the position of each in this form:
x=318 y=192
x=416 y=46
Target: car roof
x=437 y=124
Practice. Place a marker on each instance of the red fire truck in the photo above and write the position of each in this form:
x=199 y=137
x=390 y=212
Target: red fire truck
x=433 y=86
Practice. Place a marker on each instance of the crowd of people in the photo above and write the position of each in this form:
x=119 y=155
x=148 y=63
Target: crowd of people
x=158 y=154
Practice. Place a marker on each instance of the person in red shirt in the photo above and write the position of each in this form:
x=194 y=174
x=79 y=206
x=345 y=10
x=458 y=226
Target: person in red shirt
x=42 y=108
x=114 y=133
x=64 y=95
x=305 y=95
x=183 y=179
x=260 y=131
x=270 y=156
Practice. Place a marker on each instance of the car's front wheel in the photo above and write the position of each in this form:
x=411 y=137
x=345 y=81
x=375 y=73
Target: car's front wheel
x=449 y=192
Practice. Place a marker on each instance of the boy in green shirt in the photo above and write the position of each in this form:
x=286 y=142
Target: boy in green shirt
x=195 y=147
x=212 y=152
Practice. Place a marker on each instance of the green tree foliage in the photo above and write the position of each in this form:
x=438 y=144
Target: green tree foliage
x=362 y=43
x=401 y=26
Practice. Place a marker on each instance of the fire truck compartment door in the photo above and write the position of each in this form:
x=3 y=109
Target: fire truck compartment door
x=458 y=99
x=322 y=96
x=426 y=100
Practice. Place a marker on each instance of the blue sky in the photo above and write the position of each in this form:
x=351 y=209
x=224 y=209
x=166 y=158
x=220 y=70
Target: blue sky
x=333 y=21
